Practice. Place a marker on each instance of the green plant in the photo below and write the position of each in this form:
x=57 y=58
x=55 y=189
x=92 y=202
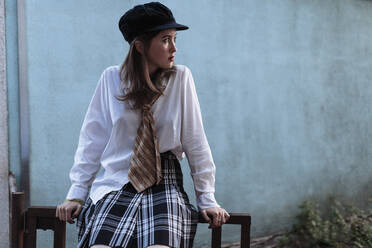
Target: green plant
x=345 y=226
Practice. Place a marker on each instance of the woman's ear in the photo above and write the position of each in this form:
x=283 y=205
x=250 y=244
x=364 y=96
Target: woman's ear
x=139 y=46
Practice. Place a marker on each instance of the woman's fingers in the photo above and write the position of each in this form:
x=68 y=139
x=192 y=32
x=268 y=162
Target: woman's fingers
x=62 y=214
x=57 y=212
x=216 y=220
x=68 y=210
x=223 y=218
x=205 y=216
x=77 y=212
x=219 y=216
x=226 y=216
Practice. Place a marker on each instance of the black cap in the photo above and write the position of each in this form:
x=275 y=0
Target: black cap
x=147 y=17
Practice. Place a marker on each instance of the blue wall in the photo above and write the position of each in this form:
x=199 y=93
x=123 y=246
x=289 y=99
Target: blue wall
x=11 y=39
x=284 y=86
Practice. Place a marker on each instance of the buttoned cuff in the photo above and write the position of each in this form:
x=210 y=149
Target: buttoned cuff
x=81 y=202
x=77 y=192
x=206 y=200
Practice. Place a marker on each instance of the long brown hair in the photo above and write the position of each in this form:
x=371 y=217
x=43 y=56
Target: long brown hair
x=137 y=86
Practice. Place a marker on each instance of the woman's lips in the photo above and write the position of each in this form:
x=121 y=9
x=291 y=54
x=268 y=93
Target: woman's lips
x=171 y=58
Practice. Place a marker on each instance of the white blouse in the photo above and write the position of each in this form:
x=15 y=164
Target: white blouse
x=110 y=127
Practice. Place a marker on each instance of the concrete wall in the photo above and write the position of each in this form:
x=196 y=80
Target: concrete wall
x=284 y=86
x=12 y=79
x=4 y=164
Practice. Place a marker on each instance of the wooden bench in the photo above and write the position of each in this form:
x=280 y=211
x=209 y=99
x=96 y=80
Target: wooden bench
x=24 y=224
x=240 y=219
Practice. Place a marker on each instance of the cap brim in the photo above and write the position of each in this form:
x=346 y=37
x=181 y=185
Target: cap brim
x=169 y=26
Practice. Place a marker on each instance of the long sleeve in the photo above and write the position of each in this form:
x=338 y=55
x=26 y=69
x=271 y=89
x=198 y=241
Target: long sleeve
x=94 y=135
x=196 y=147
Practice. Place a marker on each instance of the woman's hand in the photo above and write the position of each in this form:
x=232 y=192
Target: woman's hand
x=68 y=210
x=219 y=216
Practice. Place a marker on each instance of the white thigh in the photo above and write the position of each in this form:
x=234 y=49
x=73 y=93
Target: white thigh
x=158 y=246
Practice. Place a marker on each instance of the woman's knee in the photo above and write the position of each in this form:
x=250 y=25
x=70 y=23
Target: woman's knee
x=151 y=246
x=158 y=246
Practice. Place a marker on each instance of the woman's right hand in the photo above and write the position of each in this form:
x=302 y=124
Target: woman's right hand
x=68 y=210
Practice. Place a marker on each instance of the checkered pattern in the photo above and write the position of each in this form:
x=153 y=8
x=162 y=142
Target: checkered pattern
x=161 y=214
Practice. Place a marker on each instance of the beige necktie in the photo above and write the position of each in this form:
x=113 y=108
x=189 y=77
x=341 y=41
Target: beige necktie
x=145 y=163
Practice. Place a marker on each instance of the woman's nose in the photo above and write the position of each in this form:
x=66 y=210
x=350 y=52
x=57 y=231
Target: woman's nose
x=173 y=47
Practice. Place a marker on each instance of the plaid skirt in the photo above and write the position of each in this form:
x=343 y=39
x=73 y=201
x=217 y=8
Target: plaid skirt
x=162 y=214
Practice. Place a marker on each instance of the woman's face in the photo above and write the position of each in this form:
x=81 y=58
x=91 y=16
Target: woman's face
x=162 y=50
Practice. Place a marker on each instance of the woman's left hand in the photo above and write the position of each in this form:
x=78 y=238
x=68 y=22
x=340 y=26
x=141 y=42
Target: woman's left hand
x=219 y=216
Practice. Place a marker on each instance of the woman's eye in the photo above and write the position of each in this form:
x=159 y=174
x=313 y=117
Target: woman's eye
x=168 y=40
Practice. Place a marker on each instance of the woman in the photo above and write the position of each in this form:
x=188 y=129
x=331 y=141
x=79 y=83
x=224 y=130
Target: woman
x=143 y=117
